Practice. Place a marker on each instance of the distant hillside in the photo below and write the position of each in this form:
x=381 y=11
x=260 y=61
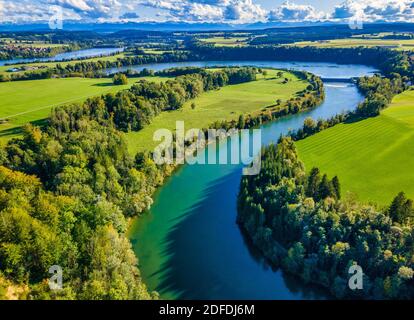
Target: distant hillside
x=271 y=27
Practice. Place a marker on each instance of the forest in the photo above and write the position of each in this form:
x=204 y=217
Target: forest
x=131 y=110
x=387 y=61
x=378 y=92
x=94 y=69
x=19 y=51
x=68 y=190
x=302 y=223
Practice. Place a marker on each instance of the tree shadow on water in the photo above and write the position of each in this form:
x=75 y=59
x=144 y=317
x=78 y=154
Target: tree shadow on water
x=187 y=271
x=206 y=254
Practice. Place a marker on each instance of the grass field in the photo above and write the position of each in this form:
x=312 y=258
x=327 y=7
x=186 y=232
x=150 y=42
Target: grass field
x=373 y=158
x=22 y=102
x=224 y=104
x=156 y=51
x=226 y=42
x=354 y=42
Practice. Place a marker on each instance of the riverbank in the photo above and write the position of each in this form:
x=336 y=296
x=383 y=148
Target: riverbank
x=258 y=101
x=206 y=214
x=362 y=155
x=302 y=223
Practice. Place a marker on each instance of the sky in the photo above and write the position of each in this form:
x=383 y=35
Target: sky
x=216 y=11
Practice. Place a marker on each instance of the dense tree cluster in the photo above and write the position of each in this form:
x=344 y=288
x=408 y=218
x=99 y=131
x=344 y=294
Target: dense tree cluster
x=96 y=69
x=379 y=93
x=67 y=191
x=282 y=35
x=120 y=79
x=135 y=108
x=387 y=61
x=175 y=72
x=311 y=127
x=65 y=195
x=300 y=223
x=26 y=51
x=307 y=99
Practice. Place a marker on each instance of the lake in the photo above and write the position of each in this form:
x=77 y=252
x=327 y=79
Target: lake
x=73 y=55
x=189 y=245
x=324 y=70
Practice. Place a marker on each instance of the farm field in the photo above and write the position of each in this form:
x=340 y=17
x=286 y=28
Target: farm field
x=22 y=102
x=226 y=42
x=357 y=42
x=373 y=158
x=225 y=104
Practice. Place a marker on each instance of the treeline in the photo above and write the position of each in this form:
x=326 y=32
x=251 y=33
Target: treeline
x=66 y=192
x=388 y=61
x=307 y=99
x=280 y=35
x=378 y=91
x=95 y=69
x=176 y=72
x=65 y=197
x=24 y=51
x=301 y=223
x=133 y=109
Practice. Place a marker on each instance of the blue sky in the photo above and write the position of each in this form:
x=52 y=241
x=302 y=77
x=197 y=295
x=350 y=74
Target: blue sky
x=229 y=11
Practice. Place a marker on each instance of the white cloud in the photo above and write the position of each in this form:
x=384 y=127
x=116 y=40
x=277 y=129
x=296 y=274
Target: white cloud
x=26 y=11
x=290 y=11
x=234 y=11
x=90 y=8
x=210 y=10
x=376 y=10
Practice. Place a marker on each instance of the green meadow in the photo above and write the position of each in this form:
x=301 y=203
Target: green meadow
x=226 y=41
x=373 y=158
x=228 y=103
x=358 y=42
x=22 y=102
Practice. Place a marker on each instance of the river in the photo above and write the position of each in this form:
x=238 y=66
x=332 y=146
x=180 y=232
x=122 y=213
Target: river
x=72 y=55
x=189 y=245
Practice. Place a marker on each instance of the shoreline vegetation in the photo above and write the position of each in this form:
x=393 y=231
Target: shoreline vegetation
x=29 y=51
x=386 y=60
x=377 y=149
x=32 y=101
x=301 y=222
x=308 y=94
x=74 y=182
x=69 y=189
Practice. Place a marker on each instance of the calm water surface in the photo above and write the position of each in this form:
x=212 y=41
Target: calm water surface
x=80 y=54
x=324 y=70
x=189 y=245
